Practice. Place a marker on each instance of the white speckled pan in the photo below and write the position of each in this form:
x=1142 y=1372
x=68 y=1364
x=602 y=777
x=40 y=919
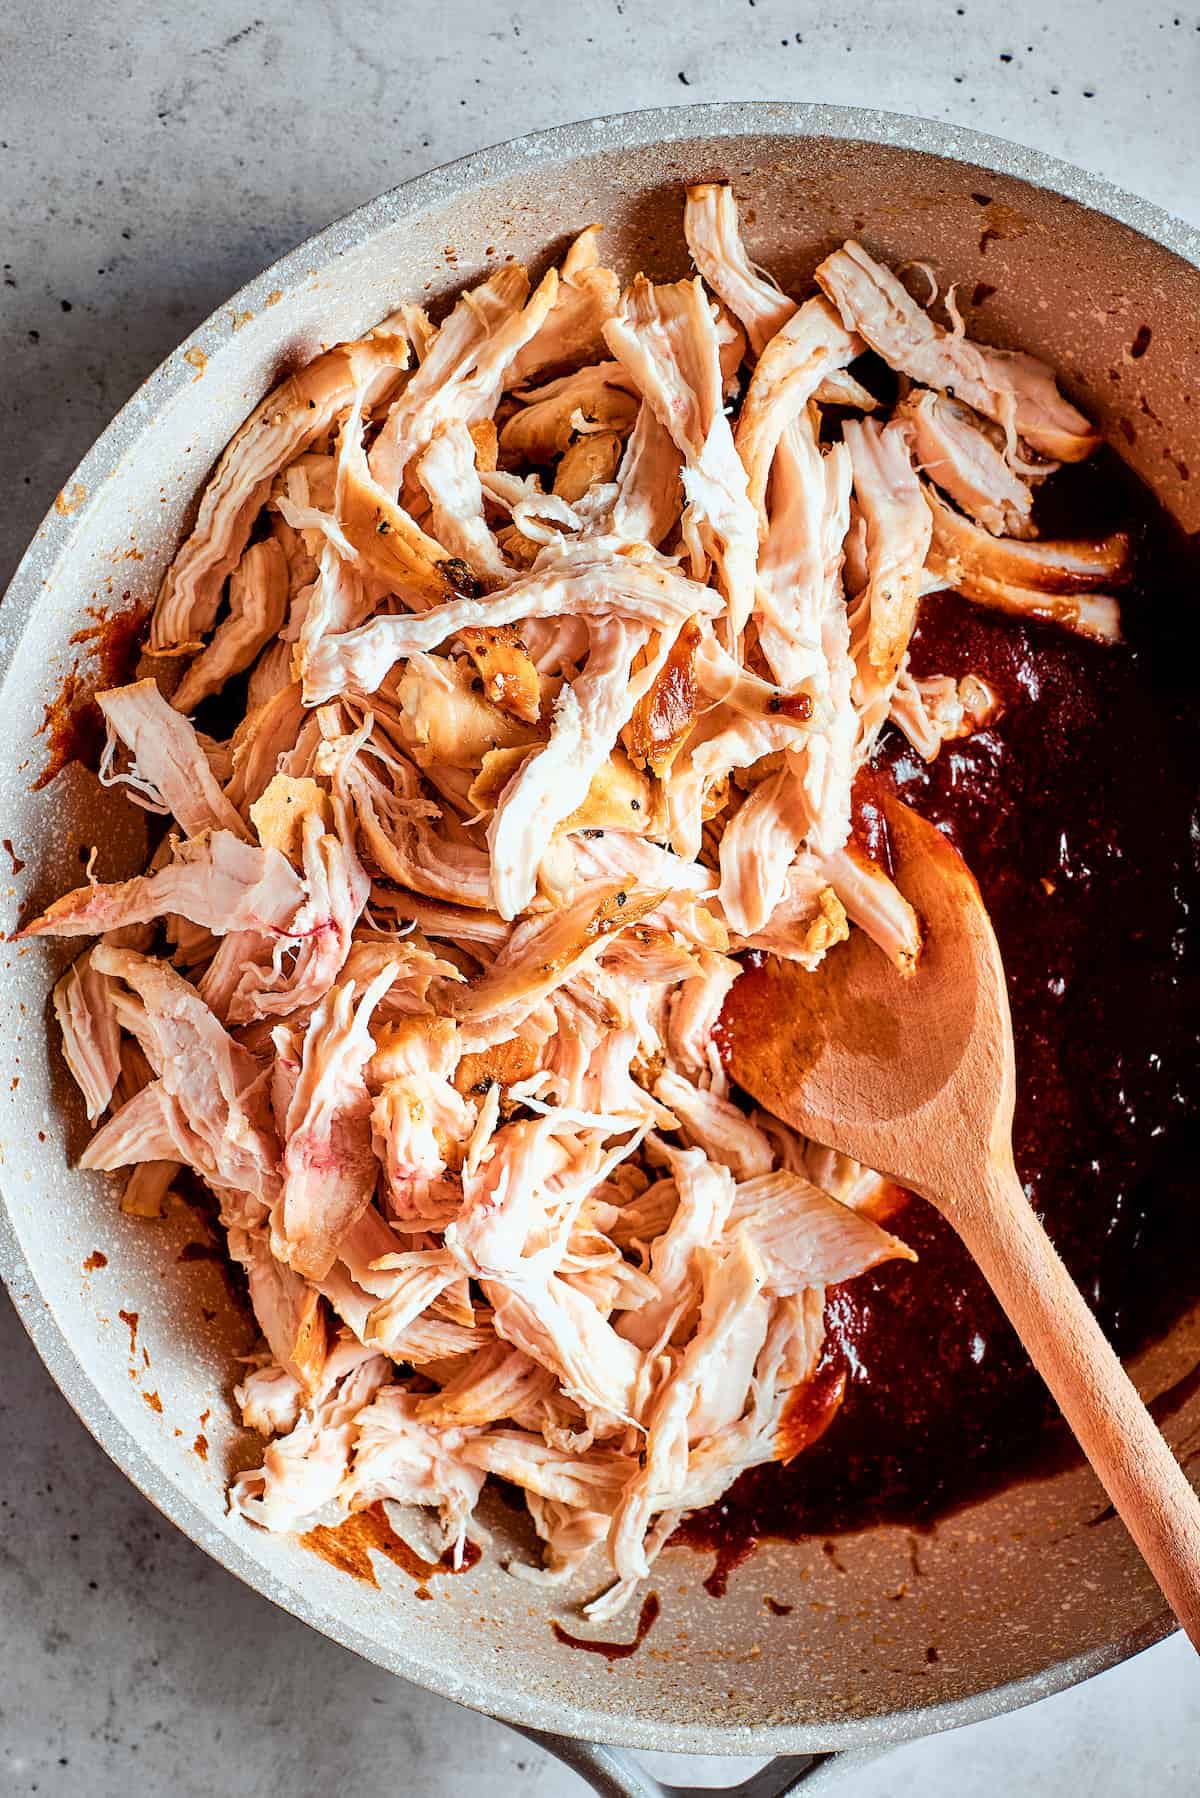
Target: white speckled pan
x=1017 y=1595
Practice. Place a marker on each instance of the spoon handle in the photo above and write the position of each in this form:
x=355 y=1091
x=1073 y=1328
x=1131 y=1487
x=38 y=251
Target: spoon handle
x=1094 y=1393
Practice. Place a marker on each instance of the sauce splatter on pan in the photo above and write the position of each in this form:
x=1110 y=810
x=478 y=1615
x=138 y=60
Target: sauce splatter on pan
x=73 y=725
x=349 y=1545
x=615 y=1651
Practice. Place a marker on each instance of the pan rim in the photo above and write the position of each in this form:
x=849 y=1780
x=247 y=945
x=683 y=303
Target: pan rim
x=124 y=436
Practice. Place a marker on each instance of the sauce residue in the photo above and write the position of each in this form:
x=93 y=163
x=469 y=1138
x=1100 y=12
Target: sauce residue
x=811 y=1408
x=729 y=1555
x=154 y=1402
x=200 y=1446
x=200 y=1251
x=73 y=724
x=130 y=1319
x=1164 y=1407
x=777 y=1609
x=1077 y=812
x=70 y=499
x=615 y=1651
x=96 y=1259
x=349 y=1545
x=867 y=820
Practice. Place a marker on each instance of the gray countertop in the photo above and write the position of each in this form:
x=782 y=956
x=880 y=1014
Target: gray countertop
x=148 y=166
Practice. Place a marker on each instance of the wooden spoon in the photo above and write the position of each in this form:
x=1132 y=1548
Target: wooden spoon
x=915 y=1078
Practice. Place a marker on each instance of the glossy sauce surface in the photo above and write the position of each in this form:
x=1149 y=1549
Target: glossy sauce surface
x=1077 y=812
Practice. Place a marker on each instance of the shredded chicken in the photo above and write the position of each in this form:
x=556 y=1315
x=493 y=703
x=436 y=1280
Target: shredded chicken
x=572 y=331
x=786 y=377
x=666 y=339
x=463 y=369
x=91 y=1033
x=559 y=660
x=1061 y=582
x=291 y=418
x=953 y=447
x=1015 y=390
x=258 y=598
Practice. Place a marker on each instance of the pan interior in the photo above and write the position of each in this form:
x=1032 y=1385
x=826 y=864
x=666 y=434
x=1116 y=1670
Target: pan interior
x=886 y=1622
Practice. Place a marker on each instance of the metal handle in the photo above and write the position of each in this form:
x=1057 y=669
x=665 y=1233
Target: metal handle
x=613 y=1772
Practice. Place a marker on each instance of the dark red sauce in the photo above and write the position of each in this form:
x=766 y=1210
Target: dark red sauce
x=730 y=1554
x=867 y=816
x=1077 y=811
x=812 y=1408
x=349 y=1545
x=615 y=1651
x=74 y=724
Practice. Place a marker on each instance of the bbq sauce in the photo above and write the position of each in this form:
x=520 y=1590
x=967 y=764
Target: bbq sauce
x=614 y=1651
x=73 y=725
x=1077 y=812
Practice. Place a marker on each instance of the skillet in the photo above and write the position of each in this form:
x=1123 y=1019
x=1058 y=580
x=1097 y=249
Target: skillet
x=1018 y=1595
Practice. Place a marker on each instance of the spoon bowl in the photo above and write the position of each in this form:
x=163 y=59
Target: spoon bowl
x=878 y=1056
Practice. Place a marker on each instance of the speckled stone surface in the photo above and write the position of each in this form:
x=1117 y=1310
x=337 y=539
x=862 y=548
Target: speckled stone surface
x=147 y=168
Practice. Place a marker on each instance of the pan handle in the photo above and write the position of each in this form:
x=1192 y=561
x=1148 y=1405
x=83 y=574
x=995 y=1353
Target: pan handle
x=614 y=1773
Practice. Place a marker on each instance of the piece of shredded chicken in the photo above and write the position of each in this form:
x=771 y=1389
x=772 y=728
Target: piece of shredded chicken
x=557 y=670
